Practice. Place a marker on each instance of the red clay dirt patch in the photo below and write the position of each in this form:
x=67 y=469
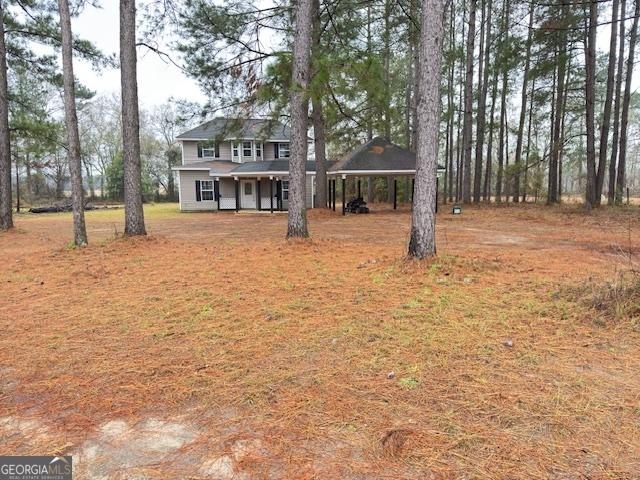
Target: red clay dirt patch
x=333 y=358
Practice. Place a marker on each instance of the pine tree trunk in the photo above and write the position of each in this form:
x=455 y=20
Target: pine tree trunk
x=611 y=194
x=501 y=135
x=482 y=101
x=386 y=59
x=525 y=184
x=318 y=122
x=523 y=110
x=450 y=103
x=486 y=194
x=422 y=241
x=563 y=115
x=321 y=152
x=590 y=100
x=297 y=217
x=606 y=115
x=552 y=196
x=6 y=214
x=503 y=110
x=133 y=212
x=467 y=130
x=624 y=122
x=71 y=122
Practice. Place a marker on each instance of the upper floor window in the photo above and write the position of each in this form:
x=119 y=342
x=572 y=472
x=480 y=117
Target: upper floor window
x=283 y=150
x=259 y=150
x=209 y=150
x=247 y=151
x=235 y=152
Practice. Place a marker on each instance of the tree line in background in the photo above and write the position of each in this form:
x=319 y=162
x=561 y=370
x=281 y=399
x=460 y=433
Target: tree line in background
x=529 y=108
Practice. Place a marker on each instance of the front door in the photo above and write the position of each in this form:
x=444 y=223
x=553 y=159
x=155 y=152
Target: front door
x=247 y=194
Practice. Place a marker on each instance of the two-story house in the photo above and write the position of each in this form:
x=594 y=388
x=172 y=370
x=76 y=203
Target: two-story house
x=232 y=164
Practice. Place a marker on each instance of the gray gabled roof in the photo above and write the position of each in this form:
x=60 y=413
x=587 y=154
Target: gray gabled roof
x=227 y=128
x=377 y=155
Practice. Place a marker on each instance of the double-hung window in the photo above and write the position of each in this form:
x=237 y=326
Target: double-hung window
x=283 y=150
x=258 y=151
x=247 y=151
x=235 y=147
x=206 y=189
x=209 y=150
x=285 y=190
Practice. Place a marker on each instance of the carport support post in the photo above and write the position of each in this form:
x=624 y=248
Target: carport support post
x=344 y=194
x=258 y=193
x=271 y=194
x=359 y=188
x=395 y=193
x=237 y=193
x=413 y=188
x=437 y=188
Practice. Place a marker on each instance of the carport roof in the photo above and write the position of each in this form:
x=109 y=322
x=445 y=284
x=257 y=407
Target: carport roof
x=377 y=156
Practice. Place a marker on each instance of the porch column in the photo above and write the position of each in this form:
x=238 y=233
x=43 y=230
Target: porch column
x=237 y=182
x=395 y=193
x=328 y=196
x=359 y=194
x=344 y=195
x=413 y=188
x=271 y=194
x=279 y=193
x=259 y=194
x=216 y=191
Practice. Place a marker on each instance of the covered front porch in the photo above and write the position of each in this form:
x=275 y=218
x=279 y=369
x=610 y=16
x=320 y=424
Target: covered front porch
x=269 y=193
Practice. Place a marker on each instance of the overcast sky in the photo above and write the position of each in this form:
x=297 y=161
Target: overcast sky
x=157 y=80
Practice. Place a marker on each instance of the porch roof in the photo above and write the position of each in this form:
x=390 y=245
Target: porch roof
x=213 y=166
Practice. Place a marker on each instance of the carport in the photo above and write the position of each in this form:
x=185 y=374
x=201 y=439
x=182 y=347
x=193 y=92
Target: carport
x=375 y=158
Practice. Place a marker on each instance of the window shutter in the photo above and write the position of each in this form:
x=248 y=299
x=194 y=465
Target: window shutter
x=217 y=147
x=198 y=193
x=199 y=152
x=276 y=150
x=216 y=190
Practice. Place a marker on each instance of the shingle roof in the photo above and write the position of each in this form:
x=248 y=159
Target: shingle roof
x=214 y=166
x=271 y=166
x=251 y=128
x=377 y=154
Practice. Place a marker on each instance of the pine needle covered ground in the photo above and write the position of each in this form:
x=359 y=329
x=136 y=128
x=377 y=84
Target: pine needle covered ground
x=215 y=349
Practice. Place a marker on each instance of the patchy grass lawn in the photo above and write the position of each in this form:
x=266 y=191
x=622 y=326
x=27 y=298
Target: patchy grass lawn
x=215 y=349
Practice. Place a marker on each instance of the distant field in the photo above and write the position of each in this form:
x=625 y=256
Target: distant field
x=216 y=349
